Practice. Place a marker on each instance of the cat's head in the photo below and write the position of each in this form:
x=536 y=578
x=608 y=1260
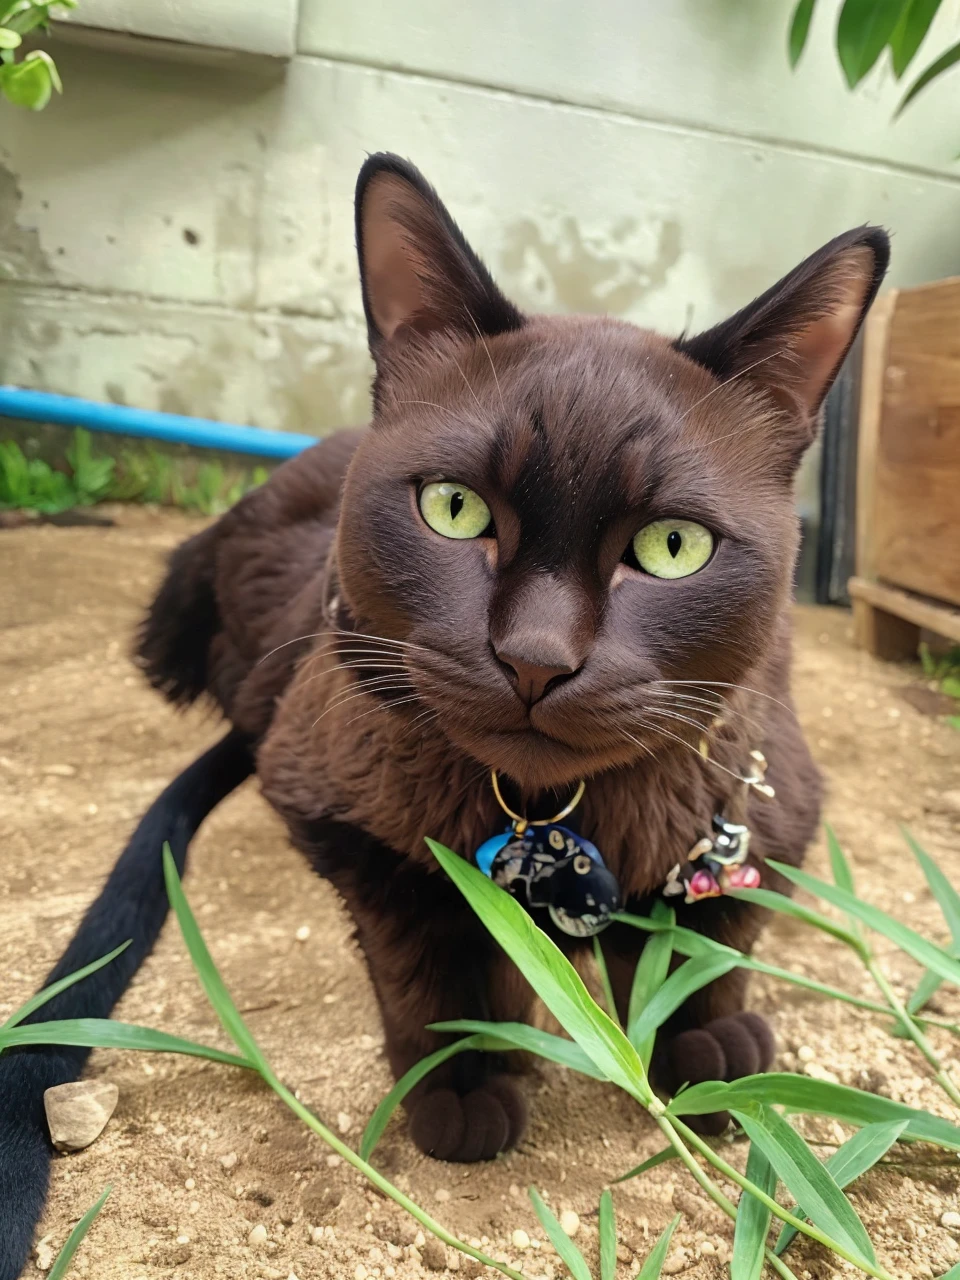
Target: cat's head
x=559 y=514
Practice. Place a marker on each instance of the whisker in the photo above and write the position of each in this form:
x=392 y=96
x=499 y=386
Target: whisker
x=467 y=381
x=359 y=693
x=386 y=706
x=655 y=728
x=733 y=378
x=724 y=684
x=296 y=640
x=365 y=635
x=489 y=358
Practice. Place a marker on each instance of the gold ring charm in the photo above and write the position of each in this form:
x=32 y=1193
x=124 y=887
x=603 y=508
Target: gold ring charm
x=520 y=822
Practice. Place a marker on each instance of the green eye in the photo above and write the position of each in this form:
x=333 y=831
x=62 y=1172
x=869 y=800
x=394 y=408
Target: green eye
x=453 y=510
x=673 y=548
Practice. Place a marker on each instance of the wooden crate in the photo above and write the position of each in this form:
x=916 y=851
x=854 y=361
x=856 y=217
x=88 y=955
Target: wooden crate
x=908 y=471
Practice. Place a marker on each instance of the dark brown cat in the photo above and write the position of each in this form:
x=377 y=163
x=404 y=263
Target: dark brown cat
x=563 y=550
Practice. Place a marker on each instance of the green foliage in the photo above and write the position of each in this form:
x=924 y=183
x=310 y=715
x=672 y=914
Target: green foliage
x=866 y=28
x=753 y=1220
x=30 y=82
x=65 y=1256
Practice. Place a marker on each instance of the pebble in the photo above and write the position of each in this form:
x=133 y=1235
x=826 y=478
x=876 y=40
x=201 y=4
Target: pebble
x=44 y=1254
x=303 y=933
x=434 y=1255
x=344 y=1123
x=520 y=1239
x=360 y=1273
x=674 y=1263
x=190 y=1184
x=950 y=1220
x=59 y=771
x=441 y=1195
x=805 y=1053
x=77 y=1113
x=229 y=1161
x=570 y=1222
x=258 y=1235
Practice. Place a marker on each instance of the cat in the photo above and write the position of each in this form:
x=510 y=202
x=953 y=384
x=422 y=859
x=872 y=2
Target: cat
x=563 y=551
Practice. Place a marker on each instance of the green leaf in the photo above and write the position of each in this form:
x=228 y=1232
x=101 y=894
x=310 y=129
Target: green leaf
x=800 y=29
x=786 y=906
x=954 y=722
x=27 y=83
x=801 y=1093
x=381 y=1116
x=570 y=1255
x=806 y=1178
x=952 y=1274
x=906 y=40
x=649 y=977
x=653 y=1266
x=924 y=952
x=608 y=996
x=753 y=1219
x=950 y=685
x=668 y=1153
x=948 y=900
x=518 y=1035
x=683 y=982
x=863 y=30
x=104 y=1033
x=839 y=864
x=935 y=69
x=929 y=984
x=853 y=1158
x=608 y=1237
x=65 y=1256
x=37 y=1001
x=550 y=974
x=8 y=39
x=210 y=979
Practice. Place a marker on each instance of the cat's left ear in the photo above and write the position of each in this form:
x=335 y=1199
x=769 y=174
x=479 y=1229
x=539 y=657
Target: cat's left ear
x=417 y=271
x=794 y=338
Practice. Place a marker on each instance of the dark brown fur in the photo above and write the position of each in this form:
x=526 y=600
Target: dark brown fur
x=576 y=431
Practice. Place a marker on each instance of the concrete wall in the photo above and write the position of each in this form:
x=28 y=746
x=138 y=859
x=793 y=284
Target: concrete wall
x=178 y=236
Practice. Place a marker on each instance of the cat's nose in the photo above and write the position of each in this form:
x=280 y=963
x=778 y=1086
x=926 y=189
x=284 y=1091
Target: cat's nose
x=532 y=680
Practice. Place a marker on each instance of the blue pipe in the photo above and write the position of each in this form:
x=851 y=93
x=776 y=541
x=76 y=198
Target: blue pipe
x=174 y=428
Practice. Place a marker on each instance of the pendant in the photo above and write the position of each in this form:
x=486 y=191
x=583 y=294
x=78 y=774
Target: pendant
x=546 y=866
x=715 y=864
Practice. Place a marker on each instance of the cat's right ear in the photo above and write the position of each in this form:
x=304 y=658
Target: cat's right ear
x=417 y=272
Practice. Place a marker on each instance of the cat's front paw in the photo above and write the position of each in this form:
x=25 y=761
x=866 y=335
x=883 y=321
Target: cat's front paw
x=741 y=1044
x=474 y=1126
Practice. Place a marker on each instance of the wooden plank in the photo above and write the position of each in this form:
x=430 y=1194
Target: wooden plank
x=914 y=609
x=875 y=340
x=912 y=533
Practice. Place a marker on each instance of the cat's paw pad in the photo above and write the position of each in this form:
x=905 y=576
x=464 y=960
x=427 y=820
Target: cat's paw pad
x=475 y=1126
x=741 y=1044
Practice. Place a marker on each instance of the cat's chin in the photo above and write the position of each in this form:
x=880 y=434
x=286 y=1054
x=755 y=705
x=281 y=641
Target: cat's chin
x=537 y=761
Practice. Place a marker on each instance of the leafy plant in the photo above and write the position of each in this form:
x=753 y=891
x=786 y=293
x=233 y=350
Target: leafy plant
x=944 y=671
x=31 y=81
x=65 y=1256
x=866 y=28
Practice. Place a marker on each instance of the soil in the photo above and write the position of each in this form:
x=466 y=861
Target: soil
x=201 y=1156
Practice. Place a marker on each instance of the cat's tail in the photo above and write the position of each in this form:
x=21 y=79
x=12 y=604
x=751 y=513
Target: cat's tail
x=132 y=906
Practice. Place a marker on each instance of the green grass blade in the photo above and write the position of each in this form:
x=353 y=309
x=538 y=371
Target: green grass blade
x=682 y=983
x=924 y=952
x=104 y=1033
x=936 y=68
x=649 y=977
x=904 y=43
x=948 y=900
x=801 y=1093
x=550 y=974
x=212 y=983
x=808 y=1181
x=954 y=722
x=570 y=1255
x=839 y=863
x=799 y=30
x=787 y=907
x=928 y=985
x=41 y=998
x=653 y=1267
x=753 y=1219
x=608 y=996
x=848 y=1162
x=608 y=1237
x=668 y=1153
x=517 y=1035
x=381 y=1116
x=65 y=1256
x=952 y=1274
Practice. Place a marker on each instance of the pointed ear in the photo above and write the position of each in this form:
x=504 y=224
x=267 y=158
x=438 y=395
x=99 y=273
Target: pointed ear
x=417 y=271
x=793 y=338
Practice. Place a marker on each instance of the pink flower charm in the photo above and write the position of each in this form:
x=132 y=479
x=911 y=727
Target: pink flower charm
x=745 y=877
x=702 y=885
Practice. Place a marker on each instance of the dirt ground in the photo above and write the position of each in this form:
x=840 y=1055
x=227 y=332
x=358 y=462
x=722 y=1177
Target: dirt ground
x=200 y=1155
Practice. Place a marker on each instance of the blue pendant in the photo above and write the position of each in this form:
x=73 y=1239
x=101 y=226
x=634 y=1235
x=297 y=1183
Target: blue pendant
x=549 y=867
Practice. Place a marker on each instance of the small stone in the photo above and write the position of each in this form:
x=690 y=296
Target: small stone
x=471 y=1268
x=570 y=1222
x=229 y=1161
x=441 y=1195
x=419 y=1239
x=950 y=1220
x=675 y=1263
x=258 y=1235
x=77 y=1113
x=190 y=1184
x=303 y=933
x=44 y=1254
x=59 y=771
x=344 y=1123
x=434 y=1255
x=805 y=1053
x=360 y=1273
x=624 y=1254
x=520 y=1239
